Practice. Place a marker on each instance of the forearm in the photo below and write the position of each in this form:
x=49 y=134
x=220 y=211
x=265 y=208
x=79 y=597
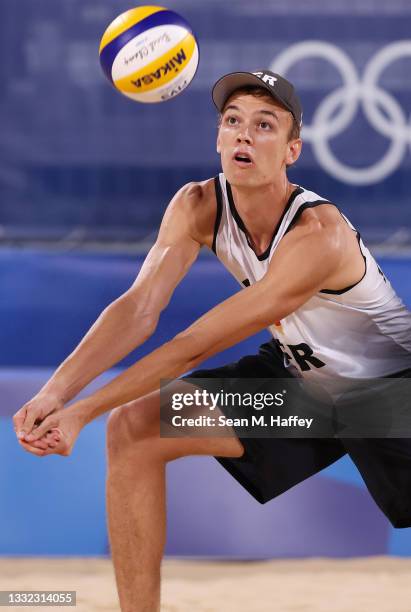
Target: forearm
x=214 y=332
x=120 y=328
x=167 y=362
x=171 y=360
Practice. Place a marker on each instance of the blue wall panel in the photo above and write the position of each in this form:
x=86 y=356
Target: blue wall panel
x=76 y=156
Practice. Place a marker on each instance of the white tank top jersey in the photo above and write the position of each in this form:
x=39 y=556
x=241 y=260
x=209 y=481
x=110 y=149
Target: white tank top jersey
x=362 y=331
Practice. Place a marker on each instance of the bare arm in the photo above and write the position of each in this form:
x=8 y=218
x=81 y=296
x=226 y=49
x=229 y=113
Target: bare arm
x=133 y=317
x=304 y=262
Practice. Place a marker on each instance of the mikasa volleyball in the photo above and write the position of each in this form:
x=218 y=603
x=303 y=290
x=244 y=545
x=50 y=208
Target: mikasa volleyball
x=149 y=53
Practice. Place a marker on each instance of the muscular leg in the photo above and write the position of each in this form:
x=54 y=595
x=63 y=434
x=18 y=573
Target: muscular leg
x=136 y=495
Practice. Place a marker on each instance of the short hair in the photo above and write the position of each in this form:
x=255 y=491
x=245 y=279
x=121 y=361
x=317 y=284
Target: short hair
x=260 y=92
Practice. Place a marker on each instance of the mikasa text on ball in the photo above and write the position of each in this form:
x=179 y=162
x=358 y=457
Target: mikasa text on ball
x=149 y=54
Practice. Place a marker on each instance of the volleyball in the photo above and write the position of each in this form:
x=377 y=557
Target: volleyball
x=149 y=54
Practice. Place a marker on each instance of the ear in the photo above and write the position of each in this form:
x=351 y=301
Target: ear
x=293 y=151
x=218 y=145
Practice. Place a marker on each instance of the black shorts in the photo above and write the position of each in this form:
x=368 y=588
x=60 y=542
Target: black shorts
x=270 y=466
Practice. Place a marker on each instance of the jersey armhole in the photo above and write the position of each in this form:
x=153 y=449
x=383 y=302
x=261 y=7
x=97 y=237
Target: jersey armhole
x=341 y=291
x=219 y=212
x=304 y=207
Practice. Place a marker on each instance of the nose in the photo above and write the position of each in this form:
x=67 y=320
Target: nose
x=244 y=135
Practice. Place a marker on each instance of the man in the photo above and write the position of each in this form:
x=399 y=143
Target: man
x=305 y=274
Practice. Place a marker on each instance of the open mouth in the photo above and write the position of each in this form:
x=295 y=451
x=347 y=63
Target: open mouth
x=243 y=159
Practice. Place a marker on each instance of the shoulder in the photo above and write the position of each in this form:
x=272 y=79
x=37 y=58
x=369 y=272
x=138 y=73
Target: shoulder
x=196 y=202
x=323 y=222
x=321 y=234
x=196 y=193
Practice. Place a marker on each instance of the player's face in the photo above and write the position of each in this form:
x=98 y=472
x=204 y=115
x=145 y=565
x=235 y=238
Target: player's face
x=253 y=140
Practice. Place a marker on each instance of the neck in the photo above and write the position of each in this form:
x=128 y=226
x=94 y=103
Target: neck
x=261 y=209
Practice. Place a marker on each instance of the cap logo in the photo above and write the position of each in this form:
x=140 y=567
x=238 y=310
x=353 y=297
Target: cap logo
x=267 y=78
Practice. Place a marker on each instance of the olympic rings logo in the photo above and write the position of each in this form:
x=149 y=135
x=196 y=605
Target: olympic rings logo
x=380 y=108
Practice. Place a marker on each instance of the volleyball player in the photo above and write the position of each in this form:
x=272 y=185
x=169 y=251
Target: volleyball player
x=306 y=275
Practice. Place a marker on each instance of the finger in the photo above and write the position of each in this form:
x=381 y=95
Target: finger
x=52 y=438
x=52 y=433
x=18 y=419
x=49 y=440
x=60 y=448
x=41 y=430
x=55 y=434
x=43 y=444
x=53 y=443
x=28 y=423
x=41 y=452
x=34 y=451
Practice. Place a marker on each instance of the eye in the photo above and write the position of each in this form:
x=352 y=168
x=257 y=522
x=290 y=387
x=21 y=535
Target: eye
x=265 y=125
x=231 y=120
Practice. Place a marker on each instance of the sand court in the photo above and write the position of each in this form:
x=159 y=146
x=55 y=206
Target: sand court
x=376 y=584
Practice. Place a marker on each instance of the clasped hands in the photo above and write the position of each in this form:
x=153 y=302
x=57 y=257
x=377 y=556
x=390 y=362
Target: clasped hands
x=44 y=427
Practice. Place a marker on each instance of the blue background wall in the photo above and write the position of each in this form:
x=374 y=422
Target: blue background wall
x=77 y=159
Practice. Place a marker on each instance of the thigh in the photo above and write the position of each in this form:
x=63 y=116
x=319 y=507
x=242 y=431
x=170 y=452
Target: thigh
x=270 y=466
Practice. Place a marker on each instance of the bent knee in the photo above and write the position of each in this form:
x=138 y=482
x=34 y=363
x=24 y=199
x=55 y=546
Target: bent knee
x=130 y=424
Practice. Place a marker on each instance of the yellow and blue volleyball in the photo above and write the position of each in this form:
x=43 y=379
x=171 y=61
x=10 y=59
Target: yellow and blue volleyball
x=149 y=53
